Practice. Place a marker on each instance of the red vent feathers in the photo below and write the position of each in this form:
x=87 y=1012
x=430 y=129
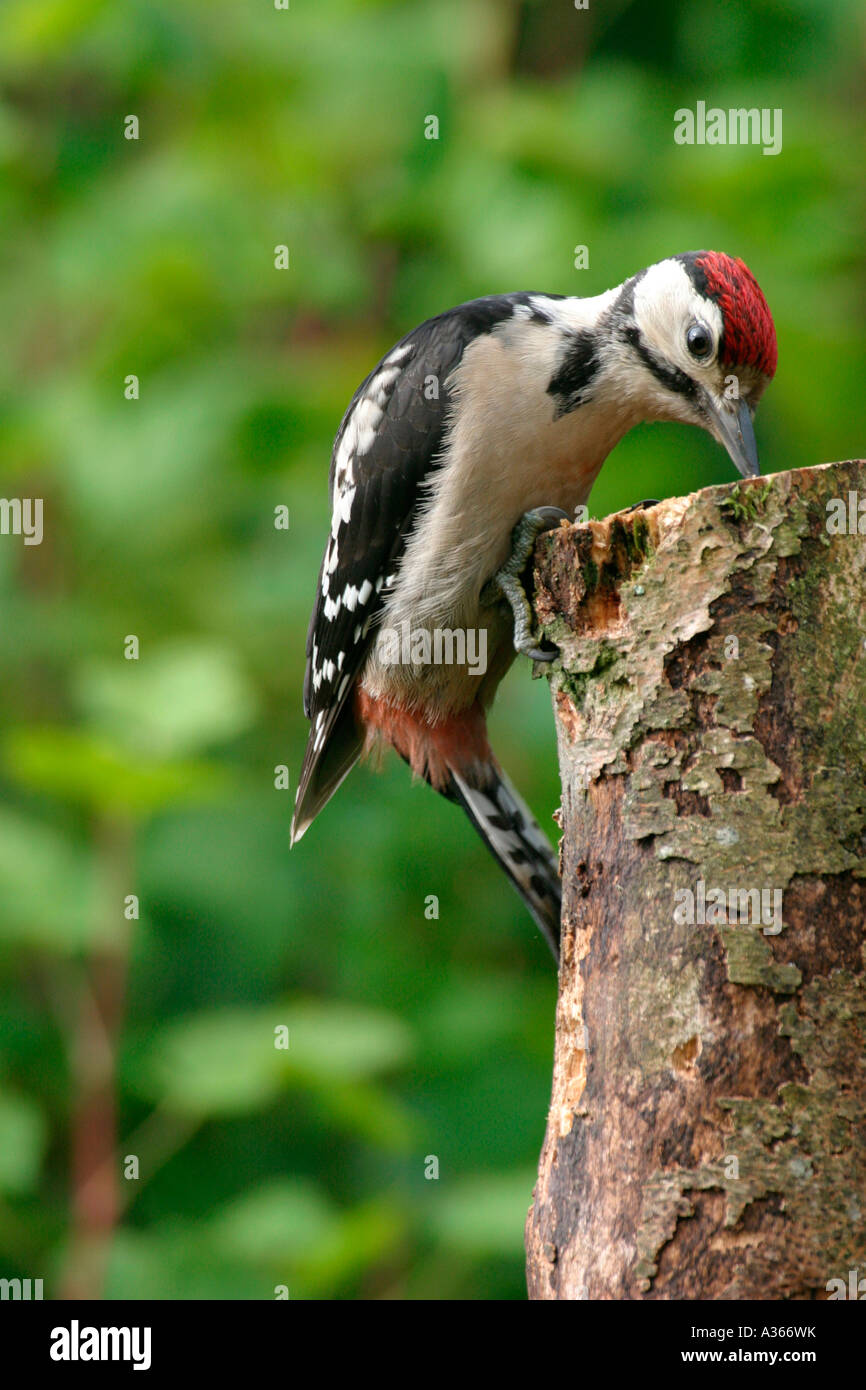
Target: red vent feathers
x=749 y=336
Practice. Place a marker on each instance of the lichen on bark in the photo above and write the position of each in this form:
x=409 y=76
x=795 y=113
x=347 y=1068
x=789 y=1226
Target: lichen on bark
x=706 y=1133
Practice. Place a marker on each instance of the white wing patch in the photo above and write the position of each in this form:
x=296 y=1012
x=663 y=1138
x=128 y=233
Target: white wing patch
x=358 y=437
x=401 y=351
x=342 y=508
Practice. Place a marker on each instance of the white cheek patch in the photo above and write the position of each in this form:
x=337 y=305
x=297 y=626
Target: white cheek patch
x=665 y=303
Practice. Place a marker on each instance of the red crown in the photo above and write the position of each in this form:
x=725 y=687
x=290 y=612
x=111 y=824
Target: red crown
x=749 y=338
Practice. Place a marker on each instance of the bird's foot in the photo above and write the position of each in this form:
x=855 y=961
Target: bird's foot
x=508 y=582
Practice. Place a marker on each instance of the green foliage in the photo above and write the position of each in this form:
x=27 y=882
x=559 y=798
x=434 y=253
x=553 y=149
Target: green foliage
x=410 y=1036
x=229 y=1061
x=24 y=1129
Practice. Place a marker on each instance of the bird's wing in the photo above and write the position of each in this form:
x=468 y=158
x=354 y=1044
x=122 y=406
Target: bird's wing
x=390 y=440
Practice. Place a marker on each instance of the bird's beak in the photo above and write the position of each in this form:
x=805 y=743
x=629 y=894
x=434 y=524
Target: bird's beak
x=731 y=423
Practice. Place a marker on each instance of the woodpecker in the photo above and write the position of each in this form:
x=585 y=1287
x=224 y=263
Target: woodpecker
x=479 y=429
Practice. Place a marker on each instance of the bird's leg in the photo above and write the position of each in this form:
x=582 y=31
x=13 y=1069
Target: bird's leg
x=508 y=582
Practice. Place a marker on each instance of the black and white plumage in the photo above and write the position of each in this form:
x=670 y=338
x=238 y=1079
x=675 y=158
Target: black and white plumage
x=388 y=444
x=481 y=414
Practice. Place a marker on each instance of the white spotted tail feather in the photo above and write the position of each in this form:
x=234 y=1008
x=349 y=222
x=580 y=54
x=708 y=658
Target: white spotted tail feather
x=514 y=838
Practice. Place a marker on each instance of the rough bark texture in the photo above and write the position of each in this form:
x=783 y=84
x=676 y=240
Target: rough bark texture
x=707 y=1129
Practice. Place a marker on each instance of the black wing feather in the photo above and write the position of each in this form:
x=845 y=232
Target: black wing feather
x=387 y=475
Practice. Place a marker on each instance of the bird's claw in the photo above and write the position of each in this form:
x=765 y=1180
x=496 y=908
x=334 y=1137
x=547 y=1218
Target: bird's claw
x=540 y=653
x=507 y=582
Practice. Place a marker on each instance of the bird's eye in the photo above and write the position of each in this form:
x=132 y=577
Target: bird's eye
x=700 y=341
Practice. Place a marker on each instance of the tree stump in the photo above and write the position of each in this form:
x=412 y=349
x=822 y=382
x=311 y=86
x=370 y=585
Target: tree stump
x=707 y=1129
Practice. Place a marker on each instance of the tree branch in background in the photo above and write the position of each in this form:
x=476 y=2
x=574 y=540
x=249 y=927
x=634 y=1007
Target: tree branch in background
x=93 y=1052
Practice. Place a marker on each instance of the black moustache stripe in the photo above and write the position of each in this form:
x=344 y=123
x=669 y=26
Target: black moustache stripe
x=671 y=377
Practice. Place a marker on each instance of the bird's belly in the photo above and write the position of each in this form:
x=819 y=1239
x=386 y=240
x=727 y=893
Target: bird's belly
x=461 y=537
x=443 y=666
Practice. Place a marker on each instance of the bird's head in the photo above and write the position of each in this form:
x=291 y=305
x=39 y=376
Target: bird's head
x=691 y=338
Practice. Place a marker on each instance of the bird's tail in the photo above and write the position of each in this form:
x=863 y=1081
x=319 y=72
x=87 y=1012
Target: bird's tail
x=453 y=755
x=511 y=833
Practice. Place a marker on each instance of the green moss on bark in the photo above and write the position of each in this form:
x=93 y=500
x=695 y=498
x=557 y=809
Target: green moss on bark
x=710 y=703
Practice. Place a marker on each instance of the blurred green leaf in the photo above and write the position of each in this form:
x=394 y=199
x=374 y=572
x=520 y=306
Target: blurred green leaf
x=169 y=703
x=47 y=888
x=280 y=1221
x=23 y=1133
x=485 y=1214
x=227 y=1062
x=99 y=775
x=365 y=1237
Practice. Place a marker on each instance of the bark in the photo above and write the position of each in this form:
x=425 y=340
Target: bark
x=707 y=1129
